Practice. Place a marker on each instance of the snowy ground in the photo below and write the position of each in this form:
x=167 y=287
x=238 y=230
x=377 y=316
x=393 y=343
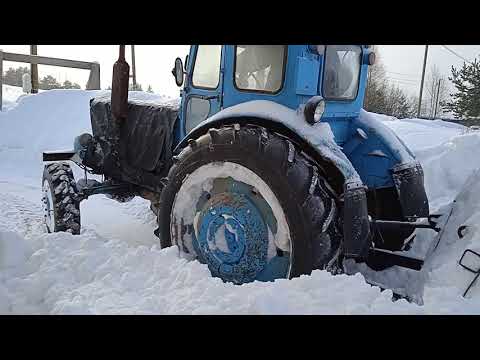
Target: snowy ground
x=116 y=266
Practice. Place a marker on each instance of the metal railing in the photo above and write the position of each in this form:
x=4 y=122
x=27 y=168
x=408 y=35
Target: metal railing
x=94 y=67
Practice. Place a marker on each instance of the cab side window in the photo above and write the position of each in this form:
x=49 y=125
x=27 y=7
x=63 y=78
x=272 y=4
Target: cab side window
x=260 y=67
x=341 y=72
x=206 y=70
x=197 y=111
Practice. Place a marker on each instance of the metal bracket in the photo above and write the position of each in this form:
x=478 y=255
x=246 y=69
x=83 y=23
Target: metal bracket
x=85 y=192
x=392 y=258
x=432 y=223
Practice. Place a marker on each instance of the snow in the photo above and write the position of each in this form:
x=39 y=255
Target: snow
x=115 y=266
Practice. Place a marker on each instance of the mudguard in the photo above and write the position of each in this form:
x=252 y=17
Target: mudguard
x=384 y=161
x=318 y=136
x=374 y=150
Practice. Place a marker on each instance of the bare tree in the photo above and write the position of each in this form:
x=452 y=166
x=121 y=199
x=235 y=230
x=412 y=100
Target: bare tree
x=436 y=90
x=383 y=97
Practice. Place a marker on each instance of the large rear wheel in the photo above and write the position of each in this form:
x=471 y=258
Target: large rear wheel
x=250 y=205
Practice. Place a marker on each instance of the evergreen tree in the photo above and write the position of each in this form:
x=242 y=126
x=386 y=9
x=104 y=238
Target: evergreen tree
x=466 y=101
x=49 y=82
x=138 y=87
x=150 y=90
x=13 y=76
x=69 y=85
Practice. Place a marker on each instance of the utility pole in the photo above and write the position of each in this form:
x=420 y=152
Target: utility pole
x=438 y=98
x=423 y=78
x=34 y=70
x=134 y=73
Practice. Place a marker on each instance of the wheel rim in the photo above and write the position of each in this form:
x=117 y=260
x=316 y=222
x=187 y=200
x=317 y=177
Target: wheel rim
x=227 y=217
x=48 y=210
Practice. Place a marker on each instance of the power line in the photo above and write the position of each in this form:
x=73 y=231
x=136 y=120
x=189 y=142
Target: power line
x=406 y=80
x=456 y=54
x=406 y=84
x=396 y=73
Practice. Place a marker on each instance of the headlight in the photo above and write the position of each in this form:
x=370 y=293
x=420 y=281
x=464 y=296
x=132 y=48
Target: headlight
x=319 y=110
x=314 y=109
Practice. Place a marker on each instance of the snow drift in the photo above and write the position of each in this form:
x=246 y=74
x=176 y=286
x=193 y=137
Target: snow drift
x=116 y=266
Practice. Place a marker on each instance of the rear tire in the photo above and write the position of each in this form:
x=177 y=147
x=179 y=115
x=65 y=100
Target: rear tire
x=297 y=182
x=60 y=200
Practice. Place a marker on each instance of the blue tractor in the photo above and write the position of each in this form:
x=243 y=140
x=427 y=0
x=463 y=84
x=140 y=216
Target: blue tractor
x=267 y=168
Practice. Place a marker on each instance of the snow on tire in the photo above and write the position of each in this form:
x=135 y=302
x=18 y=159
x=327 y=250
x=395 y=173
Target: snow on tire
x=59 y=198
x=241 y=199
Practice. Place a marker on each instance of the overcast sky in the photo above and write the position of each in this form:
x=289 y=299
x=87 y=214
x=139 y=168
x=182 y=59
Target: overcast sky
x=154 y=62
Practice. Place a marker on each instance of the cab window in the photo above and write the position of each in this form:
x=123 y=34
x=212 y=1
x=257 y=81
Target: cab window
x=206 y=71
x=260 y=67
x=341 y=72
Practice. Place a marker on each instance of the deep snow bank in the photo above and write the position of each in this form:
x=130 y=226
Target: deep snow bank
x=447 y=154
x=10 y=96
x=113 y=267
x=49 y=120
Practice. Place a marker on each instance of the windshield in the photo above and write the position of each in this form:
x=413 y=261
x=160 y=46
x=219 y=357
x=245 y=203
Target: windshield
x=259 y=67
x=341 y=72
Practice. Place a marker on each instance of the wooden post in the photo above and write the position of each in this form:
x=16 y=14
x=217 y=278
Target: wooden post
x=34 y=70
x=93 y=82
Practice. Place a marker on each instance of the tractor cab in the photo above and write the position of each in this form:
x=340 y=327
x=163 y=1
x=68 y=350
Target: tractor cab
x=221 y=76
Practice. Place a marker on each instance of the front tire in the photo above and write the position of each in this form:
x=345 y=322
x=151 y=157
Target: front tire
x=59 y=198
x=243 y=200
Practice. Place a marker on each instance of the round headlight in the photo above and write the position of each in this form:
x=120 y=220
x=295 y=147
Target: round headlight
x=319 y=110
x=314 y=109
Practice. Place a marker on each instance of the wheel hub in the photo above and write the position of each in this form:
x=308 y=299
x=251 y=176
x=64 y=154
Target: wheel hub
x=231 y=237
x=233 y=223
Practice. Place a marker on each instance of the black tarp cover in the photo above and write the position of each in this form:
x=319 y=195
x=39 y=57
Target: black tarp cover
x=145 y=138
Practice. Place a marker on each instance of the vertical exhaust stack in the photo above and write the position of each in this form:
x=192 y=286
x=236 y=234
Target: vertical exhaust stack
x=120 y=78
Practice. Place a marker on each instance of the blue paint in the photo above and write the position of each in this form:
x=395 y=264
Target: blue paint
x=246 y=240
x=233 y=235
x=308 y=71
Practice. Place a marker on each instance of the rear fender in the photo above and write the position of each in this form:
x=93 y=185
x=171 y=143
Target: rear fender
x=374 y=150
x=316 y=140
x=384 y=161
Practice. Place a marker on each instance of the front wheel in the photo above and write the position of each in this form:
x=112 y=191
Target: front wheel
x=250 y=205
x=61 y=207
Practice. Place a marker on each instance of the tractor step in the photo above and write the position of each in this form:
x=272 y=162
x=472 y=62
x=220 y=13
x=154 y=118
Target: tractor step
x=390 y=258
x=58 y=155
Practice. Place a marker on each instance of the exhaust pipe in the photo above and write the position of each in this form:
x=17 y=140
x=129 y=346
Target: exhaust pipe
x=120 y=79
